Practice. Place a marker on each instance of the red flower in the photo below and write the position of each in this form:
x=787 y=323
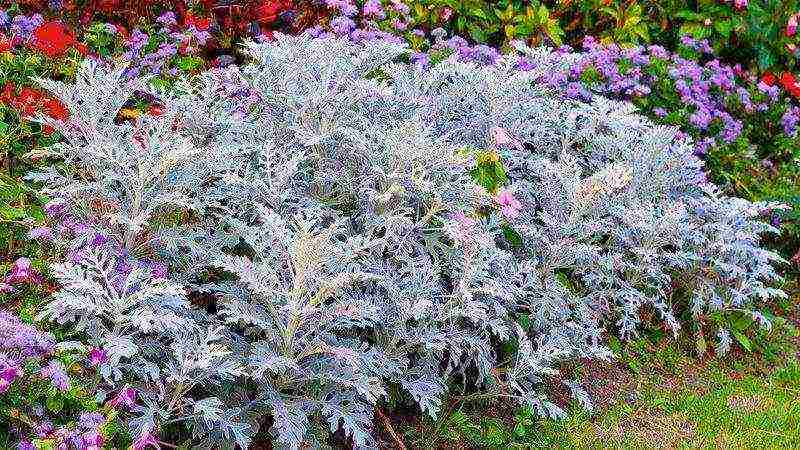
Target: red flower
x=200 y=23
x=267 y=11
x=8 y=94
x=53 y=39
x=155 y=110
x=5 y=43
x=789 y=82
x=769 y=79
x=28 y=102
x=56 y=109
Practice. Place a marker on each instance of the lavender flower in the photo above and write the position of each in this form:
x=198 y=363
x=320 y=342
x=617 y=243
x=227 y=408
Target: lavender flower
x=167 y=19
x=55 y=207
x=790 y=120
x=421 y=60
x=17 y=338
x=373 y=9
x=57 y=374
x=41 y=233
x=342 y=25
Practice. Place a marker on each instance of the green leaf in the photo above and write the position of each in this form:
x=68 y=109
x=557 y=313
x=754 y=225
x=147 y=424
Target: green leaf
x=701 y=345
x=189 y=63
x=512 y=236
x=743 y=340
x=11 y=213
x=55 y=403
x=724 y=27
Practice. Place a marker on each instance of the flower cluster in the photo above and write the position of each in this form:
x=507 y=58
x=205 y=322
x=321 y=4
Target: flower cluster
x=165 y=50
x=52 y=39
x=88 y=434
x=28 y=102
x=30 y=363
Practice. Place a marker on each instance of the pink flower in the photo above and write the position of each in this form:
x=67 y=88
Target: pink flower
x=509 y=206
x=92 y=441
x=399 y=25
x=7 y=376
x=22 y=272
x=97 y=356
x=446 y=14
x=126 y=397
x=740 y=4
x=501 y=138
x=463 y=219
x=791 y=26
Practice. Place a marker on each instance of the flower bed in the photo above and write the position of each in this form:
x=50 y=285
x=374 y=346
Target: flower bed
x=411 y=222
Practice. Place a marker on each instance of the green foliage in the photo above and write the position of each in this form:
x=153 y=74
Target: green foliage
x=754 y=36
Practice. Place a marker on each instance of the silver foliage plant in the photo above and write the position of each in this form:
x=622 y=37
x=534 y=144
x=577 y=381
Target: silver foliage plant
x=321 y=198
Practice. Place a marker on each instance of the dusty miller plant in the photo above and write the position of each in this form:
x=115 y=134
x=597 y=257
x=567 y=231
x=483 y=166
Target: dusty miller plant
x=322 y=198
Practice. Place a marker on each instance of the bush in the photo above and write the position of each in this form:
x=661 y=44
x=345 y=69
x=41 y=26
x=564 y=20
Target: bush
x=297 y=237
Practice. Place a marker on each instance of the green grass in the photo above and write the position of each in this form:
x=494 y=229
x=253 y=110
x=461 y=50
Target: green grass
x=678 y=401
x=717 y=411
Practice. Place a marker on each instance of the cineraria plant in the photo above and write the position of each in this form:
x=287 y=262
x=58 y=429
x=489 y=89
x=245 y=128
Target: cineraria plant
x=359 y=224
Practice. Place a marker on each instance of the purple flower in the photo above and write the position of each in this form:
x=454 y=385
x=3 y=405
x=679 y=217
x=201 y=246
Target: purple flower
x=401 y=7
x=658 y=51
x=399 y=25
x=92 y=441
x=374 y=9
x=790 y=120
x=57 y=374
x=167 y=19
x=342 y=25
x=525 y=64
x=76 y=256
x=41 y=233
x=17 y=337
x=97 y=356
x=23 y=272
x=55 y=207
x=98 y=240
x=25 y=445
x=7 y=376
x=158 y=270
x=138 y=40
x=701 y=118
x=421 y=60
x=775 y=221
x=126 y=397
x=5 y=21
x=660 y=112
x=91 y=420
x=23 y=26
